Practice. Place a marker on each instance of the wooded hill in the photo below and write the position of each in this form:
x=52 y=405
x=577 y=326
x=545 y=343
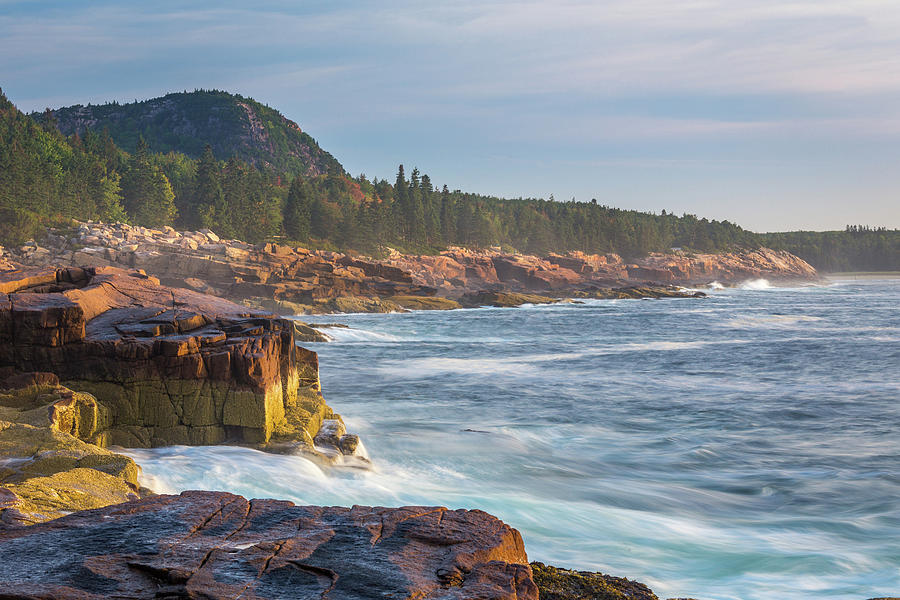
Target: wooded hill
x=856 y=248
x=186 y=122
x=160 y=162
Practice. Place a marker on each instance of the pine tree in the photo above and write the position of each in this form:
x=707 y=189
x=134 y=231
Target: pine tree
x=209 y=199
x=298 y=210
x=448 y=217
x=147 y=195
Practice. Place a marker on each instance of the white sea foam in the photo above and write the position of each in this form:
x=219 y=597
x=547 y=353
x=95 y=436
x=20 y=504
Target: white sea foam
x=756 y=285
x=770 y=321
x=516 y=366
x=352 y=334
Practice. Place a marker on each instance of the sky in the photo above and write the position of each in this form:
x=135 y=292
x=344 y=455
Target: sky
x=773 y=114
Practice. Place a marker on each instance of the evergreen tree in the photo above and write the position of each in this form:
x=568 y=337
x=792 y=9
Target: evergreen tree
x=147 y=195
x=209 y=199
x=448 y=217
x=298 y=210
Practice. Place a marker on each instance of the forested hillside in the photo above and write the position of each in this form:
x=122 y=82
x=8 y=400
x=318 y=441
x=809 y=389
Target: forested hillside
x=187 y=122
x=43 y=176
x=856 y=248
x=46 y=177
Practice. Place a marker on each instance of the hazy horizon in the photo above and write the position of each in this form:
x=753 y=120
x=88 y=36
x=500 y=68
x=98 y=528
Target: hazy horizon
x=774 y=116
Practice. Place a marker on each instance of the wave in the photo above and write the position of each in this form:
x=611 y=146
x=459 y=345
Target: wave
x=516 y=366
x=769 y=321
x=755 y=285
x=341 y=334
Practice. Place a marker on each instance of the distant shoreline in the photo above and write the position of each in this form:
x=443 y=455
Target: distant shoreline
x=862 y=275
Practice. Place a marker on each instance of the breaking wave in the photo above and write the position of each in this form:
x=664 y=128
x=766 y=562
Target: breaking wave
x=352 y=334
x=756 y=285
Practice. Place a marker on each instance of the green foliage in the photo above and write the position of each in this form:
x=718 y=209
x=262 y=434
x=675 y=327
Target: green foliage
x=188 y=122
x=18 y=225
x=208 y=204
x=857 y=248
x=44 y=174
x=412 y=216
x=298 y=210
x=147 y=194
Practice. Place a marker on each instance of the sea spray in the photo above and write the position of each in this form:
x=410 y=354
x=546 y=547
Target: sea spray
x=756 y=285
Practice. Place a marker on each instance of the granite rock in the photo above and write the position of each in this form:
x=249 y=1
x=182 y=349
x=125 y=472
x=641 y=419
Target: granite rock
x=166 y=365
x=216 y=545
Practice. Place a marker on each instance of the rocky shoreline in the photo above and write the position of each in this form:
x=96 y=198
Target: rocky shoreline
x=112 y=335
x=292 y=280
x=99 y=356
x=94 y=357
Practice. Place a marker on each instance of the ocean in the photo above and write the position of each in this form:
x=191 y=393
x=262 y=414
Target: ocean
x=742 y=446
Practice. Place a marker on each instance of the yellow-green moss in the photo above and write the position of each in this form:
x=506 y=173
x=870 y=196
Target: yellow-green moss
x=425 y=302
x=563 y=584
x=303 y=417
x=50 y=497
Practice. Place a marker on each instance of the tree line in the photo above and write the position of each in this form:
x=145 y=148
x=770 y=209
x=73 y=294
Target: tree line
x=856 y=248
x=46 y=177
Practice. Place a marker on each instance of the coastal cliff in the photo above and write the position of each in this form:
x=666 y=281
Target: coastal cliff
x=166 y=365
x=457 y=270
x=126 y=361
x=294 y=280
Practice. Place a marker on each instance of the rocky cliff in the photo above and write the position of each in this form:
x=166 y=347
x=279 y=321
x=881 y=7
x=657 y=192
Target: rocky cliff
x=166 y=365
x=289 y=280
x=456 y=271
x=294 y=280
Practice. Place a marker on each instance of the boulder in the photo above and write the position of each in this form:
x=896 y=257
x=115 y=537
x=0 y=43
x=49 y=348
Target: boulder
x=216 y=545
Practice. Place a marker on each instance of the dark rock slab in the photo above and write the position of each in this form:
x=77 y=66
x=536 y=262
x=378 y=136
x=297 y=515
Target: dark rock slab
x=216 y=545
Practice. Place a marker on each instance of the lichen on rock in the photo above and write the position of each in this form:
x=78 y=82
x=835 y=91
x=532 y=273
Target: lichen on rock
x=565 y=584
x=47 y=469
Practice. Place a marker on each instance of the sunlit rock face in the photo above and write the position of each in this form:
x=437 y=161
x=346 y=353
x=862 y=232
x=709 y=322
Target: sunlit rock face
x=166 y=365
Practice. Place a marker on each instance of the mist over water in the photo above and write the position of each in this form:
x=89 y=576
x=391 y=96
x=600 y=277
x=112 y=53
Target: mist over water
x=742 y=446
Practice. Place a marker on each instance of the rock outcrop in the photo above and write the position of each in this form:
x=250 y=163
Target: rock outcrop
x=632 y=292
x=502 y=299
x=47 y=470
x=280 y=278
x=216 y=545
x=167 y=366
x=293 y=280
x=565 y=584
x=457 y=271
x=776 y=265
